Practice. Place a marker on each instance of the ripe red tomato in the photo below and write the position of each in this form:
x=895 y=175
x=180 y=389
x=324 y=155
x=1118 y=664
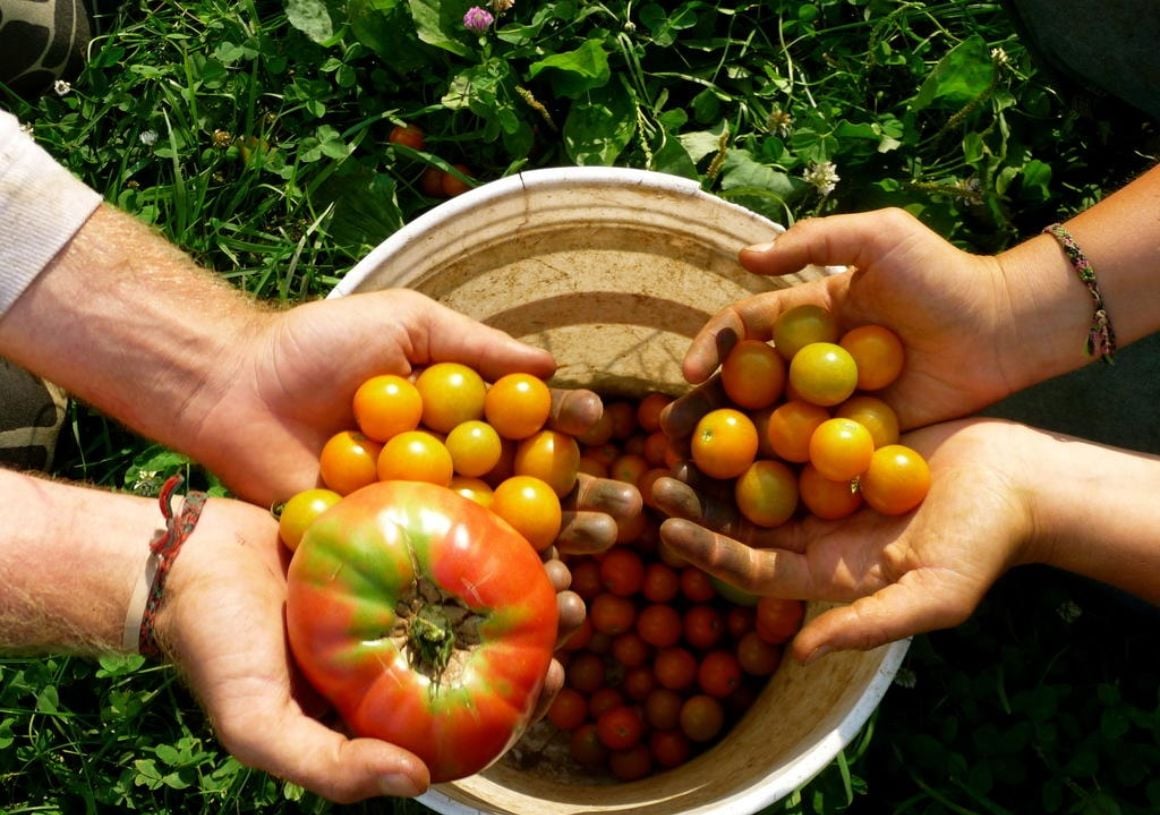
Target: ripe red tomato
x=662 y=709
x=703 y=626
x=453 y=185
x=702 y=717
x=661 y=583
x=454 y=681
x=778 y=620
x=585 y=747
x=719 y=674
x=659 y=625
x=631 y=764
x=622 y=571
x=620 y=728
x=408 y=136
x=676 y=668
x=586 y=672
x=670 y=748
x=612 y=614
x=568 y=710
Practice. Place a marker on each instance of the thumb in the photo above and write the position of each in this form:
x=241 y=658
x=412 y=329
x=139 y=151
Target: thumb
x=835 y=240
x=344 y=770
x=895 y=612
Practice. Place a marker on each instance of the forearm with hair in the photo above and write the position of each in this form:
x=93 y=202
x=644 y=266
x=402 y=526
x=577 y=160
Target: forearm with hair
x=131 y=325
x=69 y=559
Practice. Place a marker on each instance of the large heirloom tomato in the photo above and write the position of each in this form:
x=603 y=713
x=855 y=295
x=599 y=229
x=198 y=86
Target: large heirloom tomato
x=426 y=621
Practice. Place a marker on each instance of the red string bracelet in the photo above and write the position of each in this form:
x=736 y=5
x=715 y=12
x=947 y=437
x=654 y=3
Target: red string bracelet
x=163 y=549
x=1101 y=339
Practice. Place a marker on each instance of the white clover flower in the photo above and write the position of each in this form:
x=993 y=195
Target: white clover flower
x=779 y=121
x=26 y=128
x=148 y=137
x=999 y=56
x=823 y=177
x=906 y=678
x=61 y=87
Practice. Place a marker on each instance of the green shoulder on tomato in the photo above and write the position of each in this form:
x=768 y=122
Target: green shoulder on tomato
x=425 y=620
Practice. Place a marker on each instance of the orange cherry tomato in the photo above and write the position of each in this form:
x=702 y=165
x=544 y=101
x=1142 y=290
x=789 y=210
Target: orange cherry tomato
x=387 y=405
x=841 y=449
x=550 y=456
x=796 y=328
x=518 y=405
x=475 y=489
x=300 y=511
x=648 y=411
x=896 y=481
x=878 y=353
x=827 y=499
x=753 y=375
x=452 y=394
x=790 y=427
x=416 y=455
x=531 y=506
x=475 y=448
x=347 y=461
x=823 y=373
x=873 y=414
x=767 y=493
x=724 y=443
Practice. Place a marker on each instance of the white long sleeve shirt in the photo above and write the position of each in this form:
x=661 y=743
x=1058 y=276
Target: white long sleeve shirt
x=42 y=205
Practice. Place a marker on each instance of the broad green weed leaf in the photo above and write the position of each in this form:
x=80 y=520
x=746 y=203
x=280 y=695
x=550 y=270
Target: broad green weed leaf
x=700 y=143
x=599 y=127
x=673 y=158
x=311 y=18
x=439 y=23
x=742 y=172
x=962 y=75
x=366 y=209
x=574 y=73
x=386 y=27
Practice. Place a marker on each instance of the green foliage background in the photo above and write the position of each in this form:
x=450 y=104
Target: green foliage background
x=254 y=135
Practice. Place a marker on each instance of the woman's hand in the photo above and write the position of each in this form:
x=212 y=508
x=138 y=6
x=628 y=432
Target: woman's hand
x=901 y=575
x=952 y=310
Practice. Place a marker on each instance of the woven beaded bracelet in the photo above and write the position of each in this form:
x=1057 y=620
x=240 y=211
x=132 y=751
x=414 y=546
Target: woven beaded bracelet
x=138 y=634
x=1101 y=339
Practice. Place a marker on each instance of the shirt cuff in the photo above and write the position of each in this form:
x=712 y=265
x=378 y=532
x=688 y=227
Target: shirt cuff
x=42 y=205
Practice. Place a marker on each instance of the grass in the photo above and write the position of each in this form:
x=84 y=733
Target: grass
x=254 y=135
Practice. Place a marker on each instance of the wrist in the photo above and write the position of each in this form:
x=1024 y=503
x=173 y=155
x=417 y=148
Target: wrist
x=69 y=559
x=1051 y=310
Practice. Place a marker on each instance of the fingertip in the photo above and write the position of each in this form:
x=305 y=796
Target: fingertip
x=409 y=778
